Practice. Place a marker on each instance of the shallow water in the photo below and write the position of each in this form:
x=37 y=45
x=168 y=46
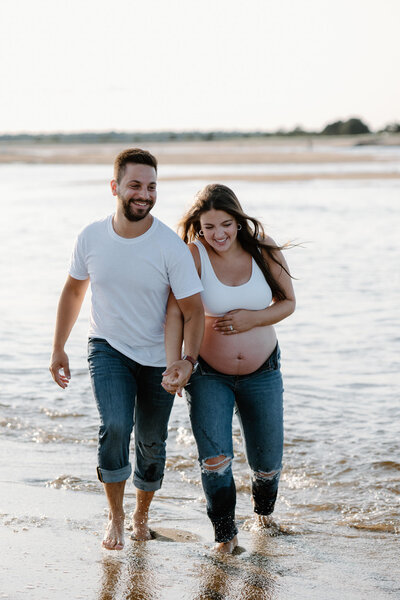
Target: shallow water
x=340 y=488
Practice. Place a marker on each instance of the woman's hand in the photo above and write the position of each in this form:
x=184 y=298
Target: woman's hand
x=176 y=376
x=235 y=321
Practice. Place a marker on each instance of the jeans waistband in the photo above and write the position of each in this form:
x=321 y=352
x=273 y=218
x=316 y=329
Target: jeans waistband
x=272 y=363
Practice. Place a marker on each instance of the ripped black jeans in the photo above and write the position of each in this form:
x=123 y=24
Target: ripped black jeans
x=258 y=400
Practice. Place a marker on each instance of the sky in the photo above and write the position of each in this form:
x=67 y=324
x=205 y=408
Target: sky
x=129 y=65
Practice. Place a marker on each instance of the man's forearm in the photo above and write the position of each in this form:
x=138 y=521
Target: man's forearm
x=67 y=313
x=68 y=309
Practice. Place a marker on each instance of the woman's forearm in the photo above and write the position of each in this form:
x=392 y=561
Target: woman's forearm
x=274 y=313
x=173 y=331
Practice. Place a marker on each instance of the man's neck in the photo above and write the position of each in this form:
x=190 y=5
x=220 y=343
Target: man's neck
x=130 y=229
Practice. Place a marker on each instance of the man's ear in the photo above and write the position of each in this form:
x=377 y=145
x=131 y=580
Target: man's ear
x=114 y=186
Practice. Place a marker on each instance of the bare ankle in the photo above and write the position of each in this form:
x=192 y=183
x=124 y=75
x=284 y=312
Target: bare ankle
x=265 y=521
x=116 y=514
x=140 y=518
x=226 y=547
x=140 y=528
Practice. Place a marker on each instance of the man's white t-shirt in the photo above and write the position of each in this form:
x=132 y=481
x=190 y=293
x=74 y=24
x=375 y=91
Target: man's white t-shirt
x=130 y=282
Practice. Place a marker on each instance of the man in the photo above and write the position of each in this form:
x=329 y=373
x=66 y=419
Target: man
x=132 y=260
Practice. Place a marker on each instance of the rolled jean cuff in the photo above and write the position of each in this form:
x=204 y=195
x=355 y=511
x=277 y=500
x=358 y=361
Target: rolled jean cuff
x=224 y=528
x=106 y=476
x=147 y=486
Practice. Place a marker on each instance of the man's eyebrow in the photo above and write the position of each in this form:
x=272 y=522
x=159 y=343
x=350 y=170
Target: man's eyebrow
x=138 y=181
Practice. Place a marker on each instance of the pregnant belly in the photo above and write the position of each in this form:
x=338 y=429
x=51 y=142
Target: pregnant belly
x=237 y=354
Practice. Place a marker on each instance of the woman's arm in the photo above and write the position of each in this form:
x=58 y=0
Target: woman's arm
x=185 y=321
x=173 y=339
x=173 y=331
x=243 y=320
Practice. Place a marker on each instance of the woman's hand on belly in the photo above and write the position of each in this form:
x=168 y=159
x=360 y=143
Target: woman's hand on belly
x=237 y=354
x=235 y=321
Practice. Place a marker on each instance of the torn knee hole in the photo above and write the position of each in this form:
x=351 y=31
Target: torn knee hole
x=266 y=476
x=216 y=463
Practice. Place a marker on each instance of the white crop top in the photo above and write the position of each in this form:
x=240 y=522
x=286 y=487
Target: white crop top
x=218 y=298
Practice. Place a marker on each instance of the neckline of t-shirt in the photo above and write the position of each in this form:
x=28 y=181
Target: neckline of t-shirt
x=135 y=240
x=221 y=282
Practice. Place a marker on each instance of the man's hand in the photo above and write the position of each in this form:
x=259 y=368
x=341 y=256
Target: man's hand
x=176 y=376
x=69 y=306
x=59 y=368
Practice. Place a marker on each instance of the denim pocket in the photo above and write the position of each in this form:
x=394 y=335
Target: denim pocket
x=96 y=345
x=205 y=369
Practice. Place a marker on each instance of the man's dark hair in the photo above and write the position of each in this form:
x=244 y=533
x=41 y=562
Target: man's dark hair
x=135 y=156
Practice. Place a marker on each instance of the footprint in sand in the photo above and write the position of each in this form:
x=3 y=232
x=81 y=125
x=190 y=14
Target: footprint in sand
x=164 y=534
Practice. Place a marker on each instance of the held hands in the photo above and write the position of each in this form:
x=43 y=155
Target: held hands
x=59 y=368
x=235 y=321
x=176 y=376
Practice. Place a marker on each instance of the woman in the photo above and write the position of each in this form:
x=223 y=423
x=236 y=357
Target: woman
x=247 y=289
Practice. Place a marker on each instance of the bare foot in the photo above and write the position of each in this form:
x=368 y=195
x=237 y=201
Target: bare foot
x=226 y=547
x=114 y=535
x=140 y=529
x=267 y=523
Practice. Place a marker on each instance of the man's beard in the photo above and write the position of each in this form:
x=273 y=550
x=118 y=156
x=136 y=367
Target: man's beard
x=126 y=207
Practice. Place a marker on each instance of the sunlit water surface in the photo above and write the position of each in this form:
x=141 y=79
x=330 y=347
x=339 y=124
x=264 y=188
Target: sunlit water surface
x=340 y=489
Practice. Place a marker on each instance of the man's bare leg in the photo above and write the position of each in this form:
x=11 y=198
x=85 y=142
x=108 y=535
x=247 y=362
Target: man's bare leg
x=114 y=535
x=141 y=531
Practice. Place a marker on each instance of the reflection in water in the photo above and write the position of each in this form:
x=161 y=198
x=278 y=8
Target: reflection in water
x=226 y=577
x=129 y=576
x=141 y=583
x=112 y=567
x=139 y=574
x=215 y=581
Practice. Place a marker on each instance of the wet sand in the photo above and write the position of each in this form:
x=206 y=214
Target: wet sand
x=51 y=549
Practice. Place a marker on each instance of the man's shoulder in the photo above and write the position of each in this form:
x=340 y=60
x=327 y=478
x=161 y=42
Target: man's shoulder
x=171 y=246
x=95 y=228
x=169 y=234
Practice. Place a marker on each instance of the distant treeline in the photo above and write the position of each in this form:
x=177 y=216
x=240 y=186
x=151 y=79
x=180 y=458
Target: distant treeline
x=353 y=126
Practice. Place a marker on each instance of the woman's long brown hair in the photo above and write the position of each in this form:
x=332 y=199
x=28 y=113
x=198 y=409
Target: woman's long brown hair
x=251 y=236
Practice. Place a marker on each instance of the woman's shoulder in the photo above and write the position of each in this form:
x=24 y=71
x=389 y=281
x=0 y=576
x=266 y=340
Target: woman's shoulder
x=267 y=240
x=194 y=249
x=267 y=243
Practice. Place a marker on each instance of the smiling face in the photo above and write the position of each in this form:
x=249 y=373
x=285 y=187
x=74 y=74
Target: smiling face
x=137 y=191
x=219 y=229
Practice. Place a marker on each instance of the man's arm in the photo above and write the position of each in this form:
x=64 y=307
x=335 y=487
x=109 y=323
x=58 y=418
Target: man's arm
x=68 y=310
x=179 y=371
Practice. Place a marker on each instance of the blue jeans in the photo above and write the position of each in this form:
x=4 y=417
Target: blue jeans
x=258 y=398
x=129 y=395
